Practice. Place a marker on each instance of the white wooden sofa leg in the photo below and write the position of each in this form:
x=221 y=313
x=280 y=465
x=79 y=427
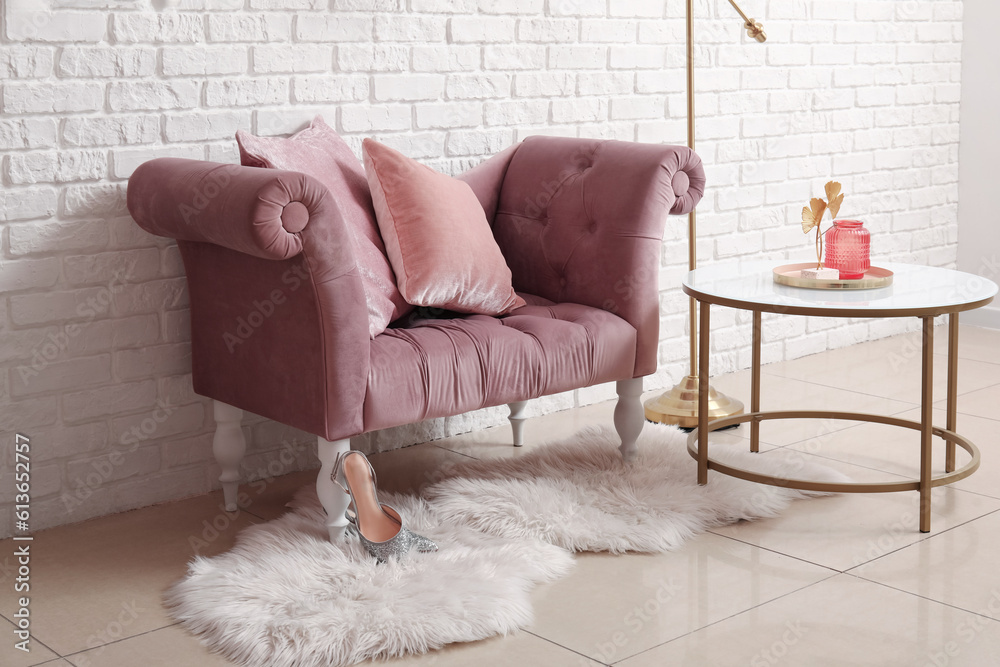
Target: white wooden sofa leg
x=629 y=415
x=331 y=496
x=229 y=446
x=517 y=421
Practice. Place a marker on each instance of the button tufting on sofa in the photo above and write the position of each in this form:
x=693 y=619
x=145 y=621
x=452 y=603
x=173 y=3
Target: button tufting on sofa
x=294 y=217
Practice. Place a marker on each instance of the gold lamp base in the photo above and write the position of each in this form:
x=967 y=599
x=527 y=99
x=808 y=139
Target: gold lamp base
x=679 y=406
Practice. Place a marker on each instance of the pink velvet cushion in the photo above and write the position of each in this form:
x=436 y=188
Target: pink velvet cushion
x=437 y=237
x=318 y=151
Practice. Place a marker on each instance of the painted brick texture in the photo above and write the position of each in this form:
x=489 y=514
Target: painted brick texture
x=93 y=311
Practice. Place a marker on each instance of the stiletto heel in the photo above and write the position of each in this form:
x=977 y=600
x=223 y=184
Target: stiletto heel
x=377 y=526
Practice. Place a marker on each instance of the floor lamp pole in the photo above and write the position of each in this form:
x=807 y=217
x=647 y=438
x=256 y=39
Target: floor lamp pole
x=692 y=216
x=679 y=405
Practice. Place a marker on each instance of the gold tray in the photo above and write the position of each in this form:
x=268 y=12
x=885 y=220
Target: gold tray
x=789 y=275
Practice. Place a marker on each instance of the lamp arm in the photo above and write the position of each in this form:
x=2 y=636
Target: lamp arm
x=754 y=28
x=737 y=8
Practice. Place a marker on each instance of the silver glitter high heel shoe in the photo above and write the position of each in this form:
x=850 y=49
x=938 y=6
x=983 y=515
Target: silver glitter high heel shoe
x=378 y=527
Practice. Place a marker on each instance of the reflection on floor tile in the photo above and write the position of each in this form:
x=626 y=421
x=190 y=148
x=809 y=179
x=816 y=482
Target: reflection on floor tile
x=888 y=367
x=268 y=498
x=979 y=403
x=897 y=450
x=957 y=567
x=611 y=607
x=780 y=393
x=843 y=531
x=407 y=470
x=839 y=621
x=977 y=343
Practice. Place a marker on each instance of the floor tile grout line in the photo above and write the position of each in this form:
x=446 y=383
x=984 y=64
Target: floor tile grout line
x=447 y=449
x=923 y=597
x=36 y=639
x=555 y=643
x=774 y=551
x=739 y=613
x=852 y=391
x=60 y=655
x=69 y=656
x=923 y=538
x=254 y=514
x=862 y=393
x=51 y=662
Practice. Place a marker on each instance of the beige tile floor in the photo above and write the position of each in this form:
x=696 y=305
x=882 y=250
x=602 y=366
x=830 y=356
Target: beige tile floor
x=844 y=580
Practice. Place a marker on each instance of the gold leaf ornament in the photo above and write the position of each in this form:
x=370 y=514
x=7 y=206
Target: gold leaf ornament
x=835 y=197
x=812 y=215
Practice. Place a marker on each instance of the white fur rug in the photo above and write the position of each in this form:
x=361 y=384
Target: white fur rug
x=285 y=596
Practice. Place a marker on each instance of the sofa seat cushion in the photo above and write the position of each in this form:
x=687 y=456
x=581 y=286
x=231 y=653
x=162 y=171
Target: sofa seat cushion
x=441 y=367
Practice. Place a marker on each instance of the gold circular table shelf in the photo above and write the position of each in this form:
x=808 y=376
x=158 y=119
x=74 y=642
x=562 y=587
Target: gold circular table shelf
x=788 y=274
x=835 y=487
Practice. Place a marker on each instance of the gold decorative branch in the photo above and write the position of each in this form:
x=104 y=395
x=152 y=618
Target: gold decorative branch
x=812 y=215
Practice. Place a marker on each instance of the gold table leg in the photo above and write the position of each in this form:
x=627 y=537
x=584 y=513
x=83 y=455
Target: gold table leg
x=755 y=385
x=703 y=355
x=949 y=459
x=926 y=422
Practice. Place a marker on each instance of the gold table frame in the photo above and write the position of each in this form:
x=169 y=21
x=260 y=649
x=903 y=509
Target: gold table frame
x=697 y=444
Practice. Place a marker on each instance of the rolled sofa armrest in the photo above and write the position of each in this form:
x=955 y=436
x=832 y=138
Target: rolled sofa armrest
x=279 y=321
x=255 y=211
x=581 y=221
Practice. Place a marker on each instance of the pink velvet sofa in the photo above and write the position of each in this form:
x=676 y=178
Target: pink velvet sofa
x=279 y=325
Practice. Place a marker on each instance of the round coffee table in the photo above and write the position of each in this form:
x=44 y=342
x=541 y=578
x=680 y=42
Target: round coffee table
x=916 y=291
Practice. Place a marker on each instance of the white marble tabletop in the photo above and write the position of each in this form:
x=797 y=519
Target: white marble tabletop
x=915 y=290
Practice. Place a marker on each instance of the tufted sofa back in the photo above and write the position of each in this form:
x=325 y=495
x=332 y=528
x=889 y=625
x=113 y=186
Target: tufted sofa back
x=582 y=221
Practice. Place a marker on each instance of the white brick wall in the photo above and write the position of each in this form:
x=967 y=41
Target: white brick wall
x=93 y=311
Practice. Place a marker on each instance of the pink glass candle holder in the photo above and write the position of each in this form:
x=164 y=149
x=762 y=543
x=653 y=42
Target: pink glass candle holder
x=848 y=246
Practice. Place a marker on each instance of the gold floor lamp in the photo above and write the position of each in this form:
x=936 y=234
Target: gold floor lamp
x=679 y=405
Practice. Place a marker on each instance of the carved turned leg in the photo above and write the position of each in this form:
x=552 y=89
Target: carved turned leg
x=517 y=421
x=629 y=416
x=332 y=497
x=229 y=445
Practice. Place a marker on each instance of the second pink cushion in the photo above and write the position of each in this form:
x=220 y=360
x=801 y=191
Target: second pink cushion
x=318 y=151
x=436 y=235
